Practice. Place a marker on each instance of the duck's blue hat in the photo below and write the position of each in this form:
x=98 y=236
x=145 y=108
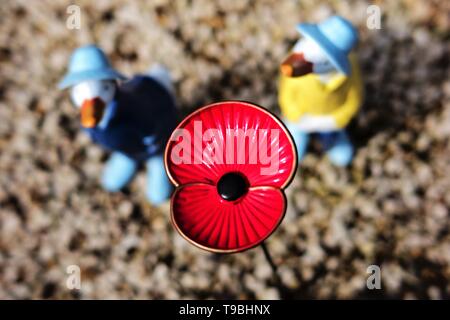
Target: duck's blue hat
x=88 y=63
x=336 y=36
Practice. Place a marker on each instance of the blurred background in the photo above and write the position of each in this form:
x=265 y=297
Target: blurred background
x=389 y=208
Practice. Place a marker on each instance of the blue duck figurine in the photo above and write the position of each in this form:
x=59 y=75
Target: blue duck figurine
x=132 y=118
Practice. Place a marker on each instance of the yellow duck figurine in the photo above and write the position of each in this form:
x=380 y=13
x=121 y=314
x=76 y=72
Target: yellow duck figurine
x=320 y=88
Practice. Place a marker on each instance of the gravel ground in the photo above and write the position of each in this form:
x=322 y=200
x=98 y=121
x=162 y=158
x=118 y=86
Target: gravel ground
x=390 y=208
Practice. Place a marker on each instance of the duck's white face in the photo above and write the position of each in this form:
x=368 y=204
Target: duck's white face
x=92 y=97
x=306 y=57
x=314 y=54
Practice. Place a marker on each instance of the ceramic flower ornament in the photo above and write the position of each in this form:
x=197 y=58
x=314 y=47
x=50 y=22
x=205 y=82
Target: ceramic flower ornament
x=230 y=162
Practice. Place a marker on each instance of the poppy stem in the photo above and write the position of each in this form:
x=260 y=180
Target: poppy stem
x=282 y=289
x=269 y=259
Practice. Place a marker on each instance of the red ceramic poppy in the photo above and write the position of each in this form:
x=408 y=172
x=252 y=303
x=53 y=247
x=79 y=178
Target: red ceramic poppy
x=230 y=162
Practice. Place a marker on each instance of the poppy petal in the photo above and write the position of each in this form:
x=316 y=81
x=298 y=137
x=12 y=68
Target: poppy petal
x=231 y=136
x=205 y=219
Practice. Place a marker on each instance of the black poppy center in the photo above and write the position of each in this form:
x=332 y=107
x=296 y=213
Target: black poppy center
x=232 y=186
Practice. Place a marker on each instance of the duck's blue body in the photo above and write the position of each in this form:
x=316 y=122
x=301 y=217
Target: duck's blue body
x=138 y=121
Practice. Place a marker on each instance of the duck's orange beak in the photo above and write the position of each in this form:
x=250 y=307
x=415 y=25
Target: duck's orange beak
x=92 y=112
x=295 y=65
